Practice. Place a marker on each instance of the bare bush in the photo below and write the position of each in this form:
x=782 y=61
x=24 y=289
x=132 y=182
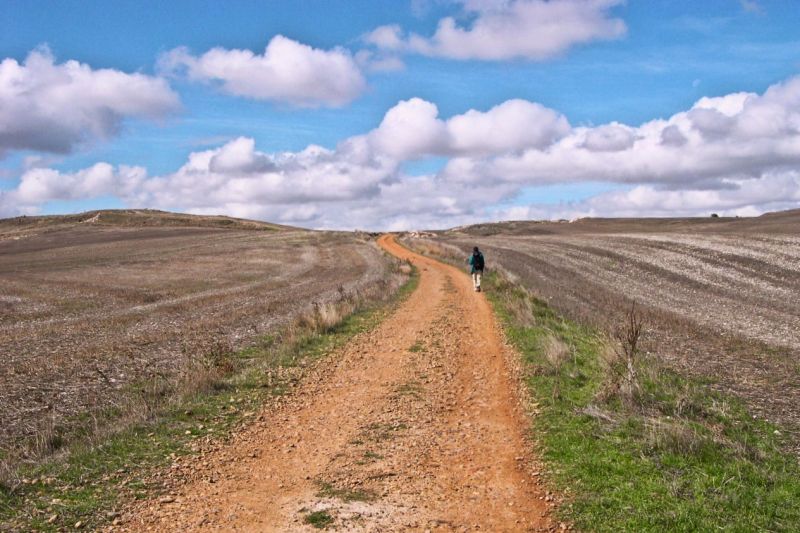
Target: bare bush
x=622 y=359
x=628 y=335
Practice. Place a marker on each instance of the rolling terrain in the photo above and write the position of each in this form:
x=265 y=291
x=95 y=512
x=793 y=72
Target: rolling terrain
x=721 y=296
x=419 y=421
x=94 y=307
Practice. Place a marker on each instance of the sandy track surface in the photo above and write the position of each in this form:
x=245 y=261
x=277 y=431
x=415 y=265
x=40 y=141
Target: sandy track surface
x=414 y=426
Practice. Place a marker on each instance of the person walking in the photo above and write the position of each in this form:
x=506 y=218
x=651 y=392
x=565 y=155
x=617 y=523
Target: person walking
x=476 y=264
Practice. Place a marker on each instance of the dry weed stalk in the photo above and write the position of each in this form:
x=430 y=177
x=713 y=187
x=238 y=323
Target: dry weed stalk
x=556 y=353
x=628 y=337
x=623 y=359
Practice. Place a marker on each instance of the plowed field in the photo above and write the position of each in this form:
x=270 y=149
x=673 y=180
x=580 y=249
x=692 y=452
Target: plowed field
x=90 y=309
x=721 y=296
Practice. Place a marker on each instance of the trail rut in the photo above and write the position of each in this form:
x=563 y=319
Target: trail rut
x=413 y=426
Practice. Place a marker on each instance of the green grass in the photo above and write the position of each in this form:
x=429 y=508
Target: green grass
x=372 y=455
x=319 y=519
x=680 y=457
x=384 y=431
x=417 y=347
x=95 y=479
x=326 y=490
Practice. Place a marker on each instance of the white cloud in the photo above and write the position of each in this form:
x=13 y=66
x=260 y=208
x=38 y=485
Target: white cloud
x=412 y=129
x=389 y=37
x=609 y=138
x=739 y=136
x=733 y=154
x=379 y=62
x=287 y=71
x=38 y=186
x=773 y=192
x=510 y=29
x=508 y=127
x=53 y=108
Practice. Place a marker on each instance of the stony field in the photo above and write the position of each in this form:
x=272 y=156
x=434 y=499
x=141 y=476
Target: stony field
x=721 y=296
x=92 y=307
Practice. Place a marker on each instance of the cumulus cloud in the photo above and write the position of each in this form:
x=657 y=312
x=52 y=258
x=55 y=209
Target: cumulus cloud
x=287 y=71
x=38 y=186
x=389 y=37
x=610 y=138
x=509 y=29
x=412 y=129
x=743 y=158
x=252 y=178
x=741 y=136
x=55 y=107
x=773 y=192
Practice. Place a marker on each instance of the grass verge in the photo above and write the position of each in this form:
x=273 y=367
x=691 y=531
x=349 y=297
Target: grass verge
x=674 y=456
x=86 y=487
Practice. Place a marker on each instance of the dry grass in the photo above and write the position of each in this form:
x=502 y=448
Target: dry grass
x=103 y=322
x=426 y=246
x=556 y=352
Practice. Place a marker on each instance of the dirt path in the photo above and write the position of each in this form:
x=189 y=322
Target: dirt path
x=413 y=426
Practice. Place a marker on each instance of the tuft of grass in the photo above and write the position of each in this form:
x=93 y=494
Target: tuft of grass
x=410 y=388
x=418 y=346
x=327 y=490
x=669 y=455
x=96 y=477
x=319 y=519
x=385 y=431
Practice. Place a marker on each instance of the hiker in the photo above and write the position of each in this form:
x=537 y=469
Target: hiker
x=476 y=263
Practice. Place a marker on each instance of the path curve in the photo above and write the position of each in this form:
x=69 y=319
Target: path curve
x=413 y=426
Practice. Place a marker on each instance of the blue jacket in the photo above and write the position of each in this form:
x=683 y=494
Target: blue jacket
x=472 y=262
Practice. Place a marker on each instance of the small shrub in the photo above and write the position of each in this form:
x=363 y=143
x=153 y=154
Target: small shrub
x=319 y=519
x=622 y=362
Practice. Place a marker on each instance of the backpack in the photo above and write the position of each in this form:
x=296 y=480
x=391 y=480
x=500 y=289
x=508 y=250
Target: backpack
x=477 y=261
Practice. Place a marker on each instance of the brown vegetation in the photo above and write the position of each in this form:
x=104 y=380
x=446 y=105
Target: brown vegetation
x=103 y=311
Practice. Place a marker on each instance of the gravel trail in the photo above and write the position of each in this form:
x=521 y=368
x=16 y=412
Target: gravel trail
x=414 y=426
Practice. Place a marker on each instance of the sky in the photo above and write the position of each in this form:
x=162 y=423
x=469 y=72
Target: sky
x=392 y=115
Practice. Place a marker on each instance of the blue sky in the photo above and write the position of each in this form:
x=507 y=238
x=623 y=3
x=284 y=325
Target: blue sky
x=670 y=55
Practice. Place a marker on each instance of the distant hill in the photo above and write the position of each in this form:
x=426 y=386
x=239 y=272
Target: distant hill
x=777 y=222
x=131 y=218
